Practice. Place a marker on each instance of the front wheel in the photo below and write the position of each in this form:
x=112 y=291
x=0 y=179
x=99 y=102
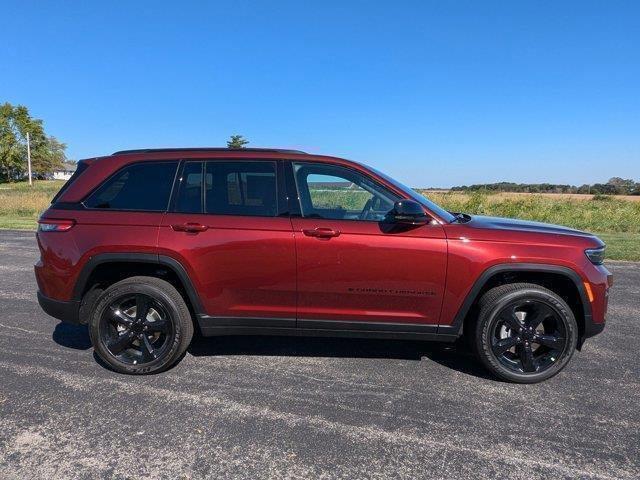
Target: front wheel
x=525 y=333
x=140 y=325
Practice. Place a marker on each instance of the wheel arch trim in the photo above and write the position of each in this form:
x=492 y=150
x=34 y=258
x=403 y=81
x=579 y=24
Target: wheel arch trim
x=150 y=258
x=486 y=275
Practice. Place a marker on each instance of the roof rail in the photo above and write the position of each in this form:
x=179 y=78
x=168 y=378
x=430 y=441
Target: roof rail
x=207 y=149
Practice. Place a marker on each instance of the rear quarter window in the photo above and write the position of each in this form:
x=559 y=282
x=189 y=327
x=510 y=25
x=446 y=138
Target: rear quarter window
x=142 y=186
x=80 y=167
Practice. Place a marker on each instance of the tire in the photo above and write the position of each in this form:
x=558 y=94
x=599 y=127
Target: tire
x=524 y=333
x=118 y=333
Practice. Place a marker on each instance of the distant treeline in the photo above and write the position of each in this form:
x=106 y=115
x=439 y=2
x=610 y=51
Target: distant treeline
x=615 y=186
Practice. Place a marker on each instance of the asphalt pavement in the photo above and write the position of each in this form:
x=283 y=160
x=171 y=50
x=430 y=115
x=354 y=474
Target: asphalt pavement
x=272 y=407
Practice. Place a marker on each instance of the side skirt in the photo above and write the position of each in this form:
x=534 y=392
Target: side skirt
x=214 y=326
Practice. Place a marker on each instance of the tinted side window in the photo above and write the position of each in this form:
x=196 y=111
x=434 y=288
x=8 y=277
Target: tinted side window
x=241 y=188
x=143 y=186
x=338 y=193
x=189 y=196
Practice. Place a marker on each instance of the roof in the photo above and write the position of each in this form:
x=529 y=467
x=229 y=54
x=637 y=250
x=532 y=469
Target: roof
x=207 y=149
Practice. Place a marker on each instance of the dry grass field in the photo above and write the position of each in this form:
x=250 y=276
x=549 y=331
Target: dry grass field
x=615 y=219
x=20 y=204
x=553 y=196
x=599 y=214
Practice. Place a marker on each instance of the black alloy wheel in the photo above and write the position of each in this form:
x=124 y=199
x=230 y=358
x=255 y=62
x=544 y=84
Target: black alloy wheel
x=524 y=333
x=140 y=325
x=136 y=329
x=528 y=336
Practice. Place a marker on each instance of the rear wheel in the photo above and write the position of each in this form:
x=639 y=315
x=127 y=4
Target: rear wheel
x=140 y=325
x=525 y=333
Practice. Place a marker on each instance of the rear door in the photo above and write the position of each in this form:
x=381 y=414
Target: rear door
x=354 y=270
x=229 y=229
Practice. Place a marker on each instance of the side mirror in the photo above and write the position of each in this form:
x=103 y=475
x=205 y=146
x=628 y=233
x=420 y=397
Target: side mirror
x=408 y=212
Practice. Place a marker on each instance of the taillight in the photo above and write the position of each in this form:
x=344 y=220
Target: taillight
x=55 y=224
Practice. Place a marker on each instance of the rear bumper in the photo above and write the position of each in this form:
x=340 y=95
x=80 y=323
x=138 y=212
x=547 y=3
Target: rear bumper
x=68 y=312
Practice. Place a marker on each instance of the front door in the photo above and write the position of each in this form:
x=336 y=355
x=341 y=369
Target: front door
x=355 y=272
x=226 y=228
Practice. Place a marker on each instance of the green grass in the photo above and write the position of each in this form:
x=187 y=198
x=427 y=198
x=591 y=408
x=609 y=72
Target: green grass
x=21 y=204
x=616 y=221
x=336 y=197
x=604 y=214
x=17 y=223
x=622 y=246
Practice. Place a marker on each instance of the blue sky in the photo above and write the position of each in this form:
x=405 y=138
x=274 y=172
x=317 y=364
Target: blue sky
x=433 y=93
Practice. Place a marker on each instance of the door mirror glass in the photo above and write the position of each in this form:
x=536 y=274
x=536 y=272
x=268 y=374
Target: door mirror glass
x=408 y=212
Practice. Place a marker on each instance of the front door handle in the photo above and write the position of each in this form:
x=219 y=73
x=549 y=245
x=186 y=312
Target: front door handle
x=321 y=232
x=189 y=227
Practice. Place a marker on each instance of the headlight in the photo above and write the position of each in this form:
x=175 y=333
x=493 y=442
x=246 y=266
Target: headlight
x=595 y=255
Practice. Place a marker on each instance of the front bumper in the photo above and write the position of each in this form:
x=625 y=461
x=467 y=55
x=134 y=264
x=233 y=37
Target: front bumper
x=68 y=312
x=592 y=329
x=595 y=321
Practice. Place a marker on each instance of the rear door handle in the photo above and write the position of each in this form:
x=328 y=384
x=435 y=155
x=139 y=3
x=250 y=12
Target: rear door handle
x=189 y=227
x=321 y=232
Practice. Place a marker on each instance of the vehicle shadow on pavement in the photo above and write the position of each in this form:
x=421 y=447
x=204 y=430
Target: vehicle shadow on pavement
x=455 y=357
x=72 y=336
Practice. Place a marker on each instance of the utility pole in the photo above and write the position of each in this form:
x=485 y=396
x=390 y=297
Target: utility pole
x=29 y=158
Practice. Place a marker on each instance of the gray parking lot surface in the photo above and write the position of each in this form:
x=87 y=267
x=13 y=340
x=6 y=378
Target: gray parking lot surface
x=271 y=407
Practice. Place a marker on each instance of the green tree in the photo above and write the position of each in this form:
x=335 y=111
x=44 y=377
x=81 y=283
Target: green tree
x=237 y=142
x=51 y=157
x=47 y=153
x=623 y=185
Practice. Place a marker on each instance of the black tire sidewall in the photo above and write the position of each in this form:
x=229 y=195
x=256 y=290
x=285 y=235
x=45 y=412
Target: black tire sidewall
x=487 y=319
x=173 y=310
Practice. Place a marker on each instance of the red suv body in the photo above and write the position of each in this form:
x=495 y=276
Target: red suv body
x=260 y=241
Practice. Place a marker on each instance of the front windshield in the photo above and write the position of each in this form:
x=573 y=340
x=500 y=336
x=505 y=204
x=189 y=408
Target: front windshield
x=435 y=208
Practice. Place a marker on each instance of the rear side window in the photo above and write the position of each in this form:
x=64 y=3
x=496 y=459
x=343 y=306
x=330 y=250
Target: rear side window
x=189 y=197
x=228 y=188
x=241 y=188
x=143 y=186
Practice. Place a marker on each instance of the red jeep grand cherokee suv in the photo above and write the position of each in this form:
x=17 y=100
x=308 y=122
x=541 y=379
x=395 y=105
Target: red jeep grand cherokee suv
x=145 y=246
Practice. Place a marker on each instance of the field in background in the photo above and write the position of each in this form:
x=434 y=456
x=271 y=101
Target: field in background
x=20 y=204
x=557 y=196
x=602 y=214
x=615 y=219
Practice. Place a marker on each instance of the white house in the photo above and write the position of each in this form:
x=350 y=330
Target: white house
x=65 y=172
